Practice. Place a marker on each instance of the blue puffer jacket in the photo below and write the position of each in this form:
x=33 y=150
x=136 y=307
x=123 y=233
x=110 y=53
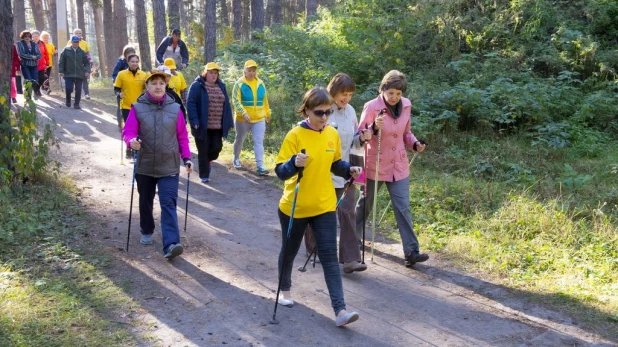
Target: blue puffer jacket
x=197 y=107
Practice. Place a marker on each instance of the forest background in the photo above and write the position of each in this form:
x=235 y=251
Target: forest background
x=517 y=100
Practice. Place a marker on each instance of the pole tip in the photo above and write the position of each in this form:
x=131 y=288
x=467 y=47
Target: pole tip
x=273 y=321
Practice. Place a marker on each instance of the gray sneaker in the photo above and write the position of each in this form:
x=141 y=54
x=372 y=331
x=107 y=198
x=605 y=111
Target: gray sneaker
x=174 y=250
x=262 y=171
x=146 y=239
x=237 y=164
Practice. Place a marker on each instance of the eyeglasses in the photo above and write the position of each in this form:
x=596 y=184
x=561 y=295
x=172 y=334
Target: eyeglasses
x=320 y=113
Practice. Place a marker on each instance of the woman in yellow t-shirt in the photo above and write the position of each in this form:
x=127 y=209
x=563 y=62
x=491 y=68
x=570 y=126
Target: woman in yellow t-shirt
x=51 y=51
x=315 y=202
x=129 y=85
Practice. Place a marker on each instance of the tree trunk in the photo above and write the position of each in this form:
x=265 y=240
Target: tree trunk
x=120 y=26
x=108 y=35
x=311 y=7
x=246 y=19
x=98 y=28
x=6 y=54
x=37 y=12
x=19 y=18
x=142 y=34
x=277 y=17
x=184 y=23
x=79 y=8
x=53 y=25
x=71 y=9
x=257 y=15
x=173 y=14
x=225 y=16
x=237 y=22
x=210 y=30
x=158 y=13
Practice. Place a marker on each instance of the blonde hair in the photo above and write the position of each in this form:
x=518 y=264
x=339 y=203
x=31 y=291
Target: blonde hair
x=44 y=33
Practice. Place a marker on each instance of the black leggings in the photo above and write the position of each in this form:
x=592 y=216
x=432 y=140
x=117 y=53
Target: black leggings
x=208 y=149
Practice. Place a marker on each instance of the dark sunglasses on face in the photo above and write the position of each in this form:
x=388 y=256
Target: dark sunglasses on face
x=321 y=113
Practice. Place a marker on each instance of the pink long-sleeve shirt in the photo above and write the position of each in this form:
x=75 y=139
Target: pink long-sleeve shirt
x=396 y=136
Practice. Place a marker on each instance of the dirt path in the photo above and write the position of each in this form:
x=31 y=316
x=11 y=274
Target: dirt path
x=221 y=291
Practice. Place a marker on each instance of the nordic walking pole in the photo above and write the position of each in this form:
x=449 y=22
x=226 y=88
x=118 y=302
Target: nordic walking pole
x=345 y=191
x=187 y=200
x=375 y=190
x=390 y=202
x=287 y=238
x=132 y=189
x=118 y=119
x=364 y=199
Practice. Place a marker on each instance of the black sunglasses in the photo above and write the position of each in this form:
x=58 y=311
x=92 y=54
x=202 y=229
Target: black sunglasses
x=321 y=113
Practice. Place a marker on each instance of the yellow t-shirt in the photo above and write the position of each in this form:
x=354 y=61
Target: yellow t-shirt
x=132 y=86
x=316 y=194
x=178 y=82
x=82 y=44
x=51 y=50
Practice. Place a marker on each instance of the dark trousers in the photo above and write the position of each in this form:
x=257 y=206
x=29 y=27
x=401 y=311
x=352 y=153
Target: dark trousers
x=41 y=79
x=348 y=245
x=168 y=197
x=85 y=85
x=68 y=89
x=125 y=114
x=325 y=231
x=18 y=85
x=30 y=73
x=208 y=149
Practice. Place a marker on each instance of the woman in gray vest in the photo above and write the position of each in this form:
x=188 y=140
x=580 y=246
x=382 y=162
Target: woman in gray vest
x=156 y=128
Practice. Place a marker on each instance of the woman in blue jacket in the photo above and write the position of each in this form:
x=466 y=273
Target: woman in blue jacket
x=210 y=115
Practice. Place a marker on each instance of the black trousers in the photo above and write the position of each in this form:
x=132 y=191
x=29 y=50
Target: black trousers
x=208 y=149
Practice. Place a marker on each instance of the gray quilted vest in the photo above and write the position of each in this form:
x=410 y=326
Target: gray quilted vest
x=160 y=153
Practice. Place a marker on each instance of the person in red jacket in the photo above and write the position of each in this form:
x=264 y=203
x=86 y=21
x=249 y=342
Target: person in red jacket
x=43 y=62
x=15 y=68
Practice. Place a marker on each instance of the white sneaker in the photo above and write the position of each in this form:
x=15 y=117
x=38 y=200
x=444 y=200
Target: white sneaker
x=344 y=318
x=237 y=164
x=285 y=302
x=87 y=97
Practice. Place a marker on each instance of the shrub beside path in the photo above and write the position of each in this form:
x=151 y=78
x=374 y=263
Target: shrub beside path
x=221 y=290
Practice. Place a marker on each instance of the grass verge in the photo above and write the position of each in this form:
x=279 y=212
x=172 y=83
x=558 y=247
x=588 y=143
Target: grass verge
x=52 y=289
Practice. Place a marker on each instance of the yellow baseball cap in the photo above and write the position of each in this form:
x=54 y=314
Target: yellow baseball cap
x=170 y=62
x=212 y=66
x=156 y=72
x=250 y=63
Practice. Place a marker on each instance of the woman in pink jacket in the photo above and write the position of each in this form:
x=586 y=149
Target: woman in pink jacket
x=394 y=171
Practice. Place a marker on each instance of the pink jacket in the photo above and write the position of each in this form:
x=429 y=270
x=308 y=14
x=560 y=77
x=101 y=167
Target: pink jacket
x=396 y=136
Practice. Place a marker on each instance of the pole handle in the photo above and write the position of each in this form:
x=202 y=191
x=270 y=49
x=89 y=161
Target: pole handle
x=300 y=171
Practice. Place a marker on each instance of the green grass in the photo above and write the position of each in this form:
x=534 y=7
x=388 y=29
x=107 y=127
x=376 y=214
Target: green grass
x=541 y=222
x=53 y=291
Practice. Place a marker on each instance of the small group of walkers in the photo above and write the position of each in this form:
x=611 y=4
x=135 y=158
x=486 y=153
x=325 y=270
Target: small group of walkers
x=314 y=160
x=33 y=61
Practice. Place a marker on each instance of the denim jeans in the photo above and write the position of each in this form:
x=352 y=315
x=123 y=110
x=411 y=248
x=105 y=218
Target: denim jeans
x=68 y=88
x=168 y=197
x=399 y=192
x=30 y=73
x=257 y=130
x=325 y=231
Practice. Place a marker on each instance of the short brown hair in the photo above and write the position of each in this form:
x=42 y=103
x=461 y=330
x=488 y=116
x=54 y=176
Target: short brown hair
x=24 y=34
x=341 y=83
x=394 y=80
x=314 y=97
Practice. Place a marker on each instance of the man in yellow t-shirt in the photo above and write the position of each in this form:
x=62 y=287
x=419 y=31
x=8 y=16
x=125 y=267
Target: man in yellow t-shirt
x=84 y=46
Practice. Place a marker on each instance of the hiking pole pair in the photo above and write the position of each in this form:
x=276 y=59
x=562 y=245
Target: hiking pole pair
x=287 y=238
x=315 y=248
